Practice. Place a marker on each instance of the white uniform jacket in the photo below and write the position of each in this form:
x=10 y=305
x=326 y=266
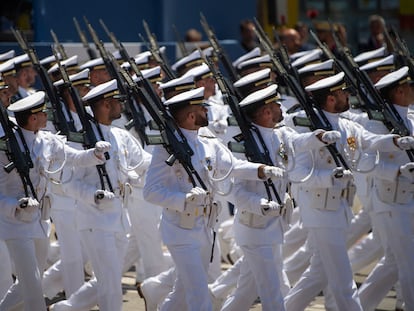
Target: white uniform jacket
x=167 y=186
x=268 y=229
x=47 y=151
x=127 y=158
x=322 y=203
x=392 y=191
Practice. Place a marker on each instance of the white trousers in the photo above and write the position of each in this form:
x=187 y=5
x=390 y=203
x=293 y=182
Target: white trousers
x=68 y=273
x=106 y=251
x=364 y=252
x=190 y=289
x=395 y=231
x=145 y=218
x=295 y=237
x=29 y=257
x=84 y=299
x=329 y=266
x=6 y=279
x=227 y=281
x=260 y=275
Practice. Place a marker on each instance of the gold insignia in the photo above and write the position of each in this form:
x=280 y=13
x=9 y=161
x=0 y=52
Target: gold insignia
x=282 y=153
x=351 y=143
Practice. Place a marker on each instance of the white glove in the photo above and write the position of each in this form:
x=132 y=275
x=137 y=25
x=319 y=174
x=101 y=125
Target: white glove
x=104 y=199
x=196 y=197
x=341 y=177
x=26 y=208
x=407 y=170
x=405 y=143
x=220 y=126
x=101 y=147
x=269 y=208
x=273 y=172
x=330 y=137
x=136 y=180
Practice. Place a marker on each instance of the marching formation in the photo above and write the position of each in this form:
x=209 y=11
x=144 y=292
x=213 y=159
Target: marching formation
x=295 y=167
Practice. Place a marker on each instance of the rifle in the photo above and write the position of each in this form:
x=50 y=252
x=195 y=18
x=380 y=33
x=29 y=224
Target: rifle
x=19 y=160
x=218 y=50
x=138 y=119
x=173 y=140
x=155 y=51
x=403 y=53
x=281 y=52
x=114 y=70
x=89 y=138
x=91 y=52
x=316 y=120
x=62 y=125
x=180 y=42
x=251 y=148
x=378 y=108
x=58 y=45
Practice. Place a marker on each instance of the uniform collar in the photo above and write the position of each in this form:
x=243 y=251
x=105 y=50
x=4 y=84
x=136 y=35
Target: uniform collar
x=191 y=135
x=265 y=131
x=333 y=118
x=402 y=111
x=29 y=137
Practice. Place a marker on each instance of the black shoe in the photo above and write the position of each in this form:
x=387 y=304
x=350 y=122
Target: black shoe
x=59 y=297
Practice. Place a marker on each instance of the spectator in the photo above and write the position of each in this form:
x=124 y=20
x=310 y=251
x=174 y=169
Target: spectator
x=290 y=38
x=303 y=31
x=376 y=37
x=248 y=39
x=193 y=35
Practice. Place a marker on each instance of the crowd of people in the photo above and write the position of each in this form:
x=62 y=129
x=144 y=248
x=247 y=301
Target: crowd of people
x=318 y=185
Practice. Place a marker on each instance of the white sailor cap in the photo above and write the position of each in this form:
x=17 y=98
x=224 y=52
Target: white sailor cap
x=394 y=78
x=200 y=72
x=96 y=63
x=318 y=69
x=177 y=85
x=117 y=55
x=383 y=64
x=7 y=68
x=105 y=90
x=22 y=61
x=253 y=81
x=251 y=54
x=312 y=57
x=187 y=62
x=142 y=59
x=191 y=97
x=80 y=78
x=49 y=61
x=208 y=52
x=69 y=63
x=369 y=56
x=329 y=84
x=33 y=103
x=298 y=54
x=152 y=74
x=6 y=56
x=162 y=49
x=261 y=97
x=257 y=62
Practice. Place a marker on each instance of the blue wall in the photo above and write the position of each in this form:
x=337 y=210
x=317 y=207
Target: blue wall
x=124 y=18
